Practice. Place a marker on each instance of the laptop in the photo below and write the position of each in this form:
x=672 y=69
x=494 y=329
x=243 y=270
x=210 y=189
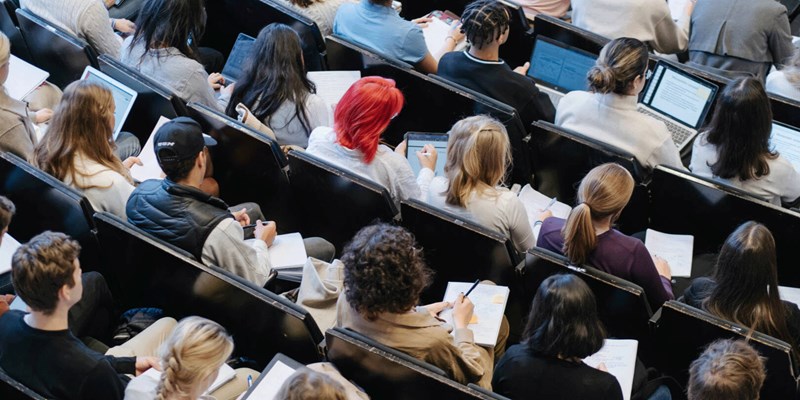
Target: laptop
x=679 y=99
x=558 y=68
x=124 y=96
x=239 y=54
x=786 y=141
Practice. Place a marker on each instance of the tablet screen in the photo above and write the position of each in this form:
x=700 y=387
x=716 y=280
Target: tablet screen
x=416 y=141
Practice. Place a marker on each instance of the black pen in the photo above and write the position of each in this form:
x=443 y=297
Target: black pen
x=474 y=285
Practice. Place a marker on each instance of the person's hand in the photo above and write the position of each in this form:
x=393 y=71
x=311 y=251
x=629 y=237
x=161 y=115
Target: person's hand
x=42 y=115
x=662 y=266
x=145 y=363
x=5 y=302
x=227 y=91
x=109 y=3
x=266 y=232
x=401 y=148
x=435 y=308
x=462 y=311
x=455 y=32
x=241 y=217
x=423 y=22
x=523 y=69
x=427 y=157
x=544 y=215
x=124 y=26
x=215 y=80
x=130 y=161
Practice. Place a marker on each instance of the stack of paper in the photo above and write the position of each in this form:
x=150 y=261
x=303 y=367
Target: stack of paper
x=149 y=168
x=490 y=305
x=619 y=359
x=287 y=255
x=677 y=250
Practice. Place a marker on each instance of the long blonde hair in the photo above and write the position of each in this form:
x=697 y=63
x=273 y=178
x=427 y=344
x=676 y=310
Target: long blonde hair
x=478 y=154
x=5 y=48
x=306 y=384
x=195 y=350
x=603 y=192
x=80 y=125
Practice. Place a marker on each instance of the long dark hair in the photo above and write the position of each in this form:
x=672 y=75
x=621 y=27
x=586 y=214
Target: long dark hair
x=563 y=321
x=274 y=73
x=172 y=23
x=740 y=130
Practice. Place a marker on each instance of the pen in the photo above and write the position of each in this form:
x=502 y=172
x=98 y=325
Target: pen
x=474 y=285
x=426 y=154
x=550 y=204
x=249 y=380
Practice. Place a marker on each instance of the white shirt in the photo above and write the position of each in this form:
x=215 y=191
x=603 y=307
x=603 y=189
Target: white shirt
x=106 y=189
x=613 y=119
x=778 y=84
x=143 y=387
x=87 y=19
x=226 y=248
x=782 y=182
x=388 y=168
x=499 y=210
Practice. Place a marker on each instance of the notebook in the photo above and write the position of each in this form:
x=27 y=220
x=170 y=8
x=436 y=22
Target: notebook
x=677 y=250
x=23 y=78
x=619 y=359
x=490 y=305
x=439 y=28
x=236 y=60
x=7 y=249
x=272 y=378
x=332 y=85
x=287 y=255
x=558 y=68
x=149 y=168
x=123 y=95
x=786 y=140
x=679 y=99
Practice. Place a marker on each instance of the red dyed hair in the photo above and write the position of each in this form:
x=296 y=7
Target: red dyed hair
x=364 y=112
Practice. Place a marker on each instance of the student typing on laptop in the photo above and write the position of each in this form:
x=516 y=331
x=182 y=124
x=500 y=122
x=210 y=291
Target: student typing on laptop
x=609 y=112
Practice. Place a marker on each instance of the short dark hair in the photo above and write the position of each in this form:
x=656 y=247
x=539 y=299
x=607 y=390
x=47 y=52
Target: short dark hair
x=41 y=267
x=484 y=21
x=727 y=370
x=179 y=170
x=7 y=210
x=384 y=271
x=563 y=321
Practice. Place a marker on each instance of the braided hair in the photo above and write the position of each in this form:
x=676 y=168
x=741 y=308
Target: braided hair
x=484 y=21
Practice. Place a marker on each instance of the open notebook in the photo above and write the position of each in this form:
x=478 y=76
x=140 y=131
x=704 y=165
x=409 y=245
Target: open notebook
x=619 y=359
x=7 y=249
x=490 y=305
x=272 y=378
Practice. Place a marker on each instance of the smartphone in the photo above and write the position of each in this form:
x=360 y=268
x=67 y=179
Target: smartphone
x=417 y=140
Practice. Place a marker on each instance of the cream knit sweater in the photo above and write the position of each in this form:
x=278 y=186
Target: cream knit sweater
x=87 y=19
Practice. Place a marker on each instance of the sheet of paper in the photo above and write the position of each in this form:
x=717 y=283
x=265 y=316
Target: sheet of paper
x=676 y=249
x=535 y=202
x=23 y=78
x=7 y=249
x=436 y=33
x=287 y=251
x=790 y=294
x=149 y=168
x=226 y=373
x=490 y=305
x=269 y=385
x=676 y=8
x=619 y=357
x=787 y=142
x=331 y=85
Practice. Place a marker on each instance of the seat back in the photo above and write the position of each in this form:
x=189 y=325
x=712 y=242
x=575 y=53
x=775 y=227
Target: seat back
x=334 y=203
x=8 y=25
x=152 y=101
x=458 y=250
x=54 y=50
x=248 y=165
x=682 y=333
x=11 y=389
x=567 y=33
x=386 y=373
x=785 y=110
x=683 y=203
x=792 y=8
x=518 y=47
x=45 y=203
x=150 y=273
x=622 y=305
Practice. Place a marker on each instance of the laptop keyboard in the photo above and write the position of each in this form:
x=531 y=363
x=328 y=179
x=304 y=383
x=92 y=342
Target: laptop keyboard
x=678 y=132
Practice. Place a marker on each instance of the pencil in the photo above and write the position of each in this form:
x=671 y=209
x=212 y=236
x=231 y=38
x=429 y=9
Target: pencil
x=474 y=285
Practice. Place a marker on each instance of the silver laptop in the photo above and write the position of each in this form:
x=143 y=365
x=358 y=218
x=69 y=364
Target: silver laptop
x=559 y=68
x=679 y=99
x=786 y=140
x=239 y=54
x=123 y=95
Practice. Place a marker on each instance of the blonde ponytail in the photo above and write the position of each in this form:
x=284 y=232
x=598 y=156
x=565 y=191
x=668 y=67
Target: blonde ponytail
x=579 y=234
x=619 y=63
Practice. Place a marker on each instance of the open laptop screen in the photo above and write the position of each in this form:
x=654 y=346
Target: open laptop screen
x=786 y=140
x=679 y=95
x=123 y=95
x=559 y=66
x=235 y=64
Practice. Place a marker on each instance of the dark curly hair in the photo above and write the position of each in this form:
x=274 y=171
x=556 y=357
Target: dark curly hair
x=384 y=271
x=484 y=21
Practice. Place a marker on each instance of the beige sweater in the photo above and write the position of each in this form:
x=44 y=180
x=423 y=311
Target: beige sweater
x=87 y=19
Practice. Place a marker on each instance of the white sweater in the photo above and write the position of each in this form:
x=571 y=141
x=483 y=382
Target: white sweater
x=87 y=19
x=107 y=190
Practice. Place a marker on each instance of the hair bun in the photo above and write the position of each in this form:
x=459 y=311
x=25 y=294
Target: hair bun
x=601 y=78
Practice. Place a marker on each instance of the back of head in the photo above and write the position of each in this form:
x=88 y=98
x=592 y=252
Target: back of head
x=306 y=384
x=383 y=271
x=563 y=321
x=7 y=210
x=484 y=21
x=603 y=192
x=171 y=23
x=619 y=63
x=478 y=155
x=41 y=267
x=196 y=349
x=740 y=129
x=364 y=112
x=727 y=370
x=5 y=49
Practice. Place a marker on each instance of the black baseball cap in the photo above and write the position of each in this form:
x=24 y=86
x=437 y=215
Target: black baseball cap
x=179 y=140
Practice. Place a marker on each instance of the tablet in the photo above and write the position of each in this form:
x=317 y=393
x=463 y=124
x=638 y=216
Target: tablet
x=417 y=140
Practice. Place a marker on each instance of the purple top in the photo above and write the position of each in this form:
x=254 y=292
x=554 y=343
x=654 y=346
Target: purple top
x=617 y=254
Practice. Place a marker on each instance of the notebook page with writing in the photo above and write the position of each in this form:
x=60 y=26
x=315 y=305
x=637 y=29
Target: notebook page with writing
x=677 y=250
x=619 y=358
x=7 y=249
x=287 y=251
x=23 y=78
x=490 y=306
x=436 y=33
x=149 y=168
x=332 y=85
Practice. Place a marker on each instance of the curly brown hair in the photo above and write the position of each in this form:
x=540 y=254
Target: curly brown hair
x=384 y=271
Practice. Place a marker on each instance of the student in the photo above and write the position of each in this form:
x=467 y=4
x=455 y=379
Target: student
x=384 y=276
x=588 y=236
x=562 y=329
x=740 y=37
x=727 y=370
x=87 y=19
x=478 y=155
x=647 y=20
x=744 y=286
x=306 y=384
x=376 y=25
x=786 y=82
x=735 y=146
x=275 y=88
x=177 y=211
x=486 y=25
x=322 y=12
x=79 y=151
x=47 y=276
x=164 y=48
x=360 y=118
x=190 y=361
x=609 y=114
